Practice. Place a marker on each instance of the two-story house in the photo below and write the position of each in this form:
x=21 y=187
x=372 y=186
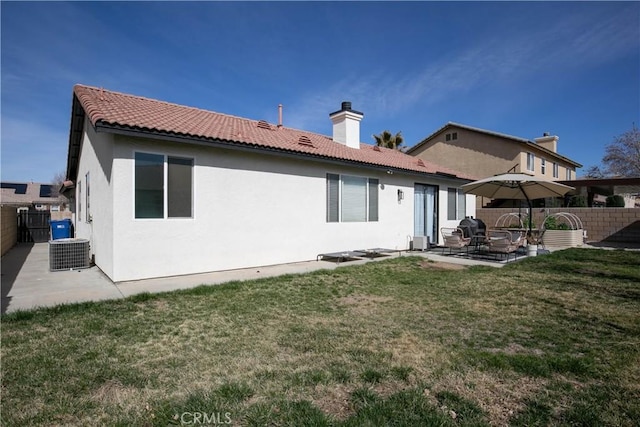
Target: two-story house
x=484 y=153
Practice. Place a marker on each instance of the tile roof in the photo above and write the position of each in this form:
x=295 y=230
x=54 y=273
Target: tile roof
x=117 y=110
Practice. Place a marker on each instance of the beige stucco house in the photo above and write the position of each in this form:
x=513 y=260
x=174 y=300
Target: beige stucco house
x=484 y=153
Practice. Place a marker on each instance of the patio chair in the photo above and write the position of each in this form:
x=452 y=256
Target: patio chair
x=454 y=239
x=502 y=242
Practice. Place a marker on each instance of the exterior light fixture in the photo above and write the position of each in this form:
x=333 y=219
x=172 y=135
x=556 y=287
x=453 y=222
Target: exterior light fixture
x=400 y=195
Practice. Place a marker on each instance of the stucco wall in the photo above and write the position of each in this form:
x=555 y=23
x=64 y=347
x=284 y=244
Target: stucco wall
x=249 y=210
x=96 y=158
x=483 y=155
x=602 y=224
x=9 y=224
x=476 y=154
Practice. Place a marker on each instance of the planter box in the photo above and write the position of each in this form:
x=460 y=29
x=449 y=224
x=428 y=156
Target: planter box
x=563 y=238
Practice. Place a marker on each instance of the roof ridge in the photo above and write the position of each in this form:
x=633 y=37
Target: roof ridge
x=144 y=98
x=133 y=113
x=159 y=101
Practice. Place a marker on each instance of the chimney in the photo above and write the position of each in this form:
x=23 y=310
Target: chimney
x=279 y=115
x=346 y=126
x=550 y=142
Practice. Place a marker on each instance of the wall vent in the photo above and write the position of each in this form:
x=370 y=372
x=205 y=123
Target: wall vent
x=304 y=140
x=264 y=125
x=68 y=254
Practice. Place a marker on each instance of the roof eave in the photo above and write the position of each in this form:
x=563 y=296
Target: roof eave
x=101 y=126
x=552 y=153
x=76 y=129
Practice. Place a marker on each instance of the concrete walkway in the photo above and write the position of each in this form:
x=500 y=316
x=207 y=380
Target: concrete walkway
x=27 y=282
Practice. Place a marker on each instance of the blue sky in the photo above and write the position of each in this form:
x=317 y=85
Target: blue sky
x=571 y=69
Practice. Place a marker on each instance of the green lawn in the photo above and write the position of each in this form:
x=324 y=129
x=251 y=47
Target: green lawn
x=548 y=340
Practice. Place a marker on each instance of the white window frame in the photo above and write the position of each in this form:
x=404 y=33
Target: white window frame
x=531 y=162
x=543 y=166
x=368 y=207
x=555 y=170
x=79 y=200
x=88 y=217
x=568 y=174
x=165 y=186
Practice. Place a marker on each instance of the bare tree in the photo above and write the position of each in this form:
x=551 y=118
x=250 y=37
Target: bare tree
x=594 y=172
x=58 y=179
x=622 y=155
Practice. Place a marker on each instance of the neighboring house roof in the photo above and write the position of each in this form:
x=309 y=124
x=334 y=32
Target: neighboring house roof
x=134 y=115
x=28 y=194
x=511 y=138
x=607 y=186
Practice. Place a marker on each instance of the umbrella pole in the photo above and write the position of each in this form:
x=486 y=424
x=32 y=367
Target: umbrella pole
x=528 y=203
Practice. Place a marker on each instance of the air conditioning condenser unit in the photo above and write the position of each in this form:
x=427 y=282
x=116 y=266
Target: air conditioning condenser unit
x=420 y=243
x=68 y=254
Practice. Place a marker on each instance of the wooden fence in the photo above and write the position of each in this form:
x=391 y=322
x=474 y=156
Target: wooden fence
x=33 y=226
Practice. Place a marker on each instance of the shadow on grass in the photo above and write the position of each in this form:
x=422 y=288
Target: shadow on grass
x=533 y=365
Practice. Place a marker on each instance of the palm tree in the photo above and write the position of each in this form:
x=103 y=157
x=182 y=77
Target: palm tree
x=386 y=139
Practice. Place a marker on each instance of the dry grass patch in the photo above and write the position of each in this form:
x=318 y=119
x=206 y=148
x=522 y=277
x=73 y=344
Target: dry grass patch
x=443 y=266
x=499 y=396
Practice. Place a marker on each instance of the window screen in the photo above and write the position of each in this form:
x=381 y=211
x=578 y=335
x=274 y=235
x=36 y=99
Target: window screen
x=354 y=199
x=451 y=203
x=351 y=198
x=179 y=191
x=373 y=199
x=149 y=185
x=462 y=205
x=456 y=204
x=333 y=190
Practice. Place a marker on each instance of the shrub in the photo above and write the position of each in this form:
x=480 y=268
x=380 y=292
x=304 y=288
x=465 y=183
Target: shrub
x=552 y=223
x=578 y=202
x=615 y=201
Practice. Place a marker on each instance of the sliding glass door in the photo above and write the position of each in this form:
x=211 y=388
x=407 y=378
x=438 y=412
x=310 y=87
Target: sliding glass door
x=425 y=221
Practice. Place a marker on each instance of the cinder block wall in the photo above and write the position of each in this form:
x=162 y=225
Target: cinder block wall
x=9 y=226
x=602 y=224
x=57 y=216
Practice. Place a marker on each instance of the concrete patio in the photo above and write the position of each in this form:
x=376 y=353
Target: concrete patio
x=27 y=282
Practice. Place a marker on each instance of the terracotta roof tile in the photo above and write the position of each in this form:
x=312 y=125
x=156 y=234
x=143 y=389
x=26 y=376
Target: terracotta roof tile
x=135 y=112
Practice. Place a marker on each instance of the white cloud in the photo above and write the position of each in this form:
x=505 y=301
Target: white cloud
x=566 y=44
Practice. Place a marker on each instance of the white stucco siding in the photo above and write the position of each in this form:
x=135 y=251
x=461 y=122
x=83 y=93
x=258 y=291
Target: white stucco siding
x=96 y=158
x=249 y=210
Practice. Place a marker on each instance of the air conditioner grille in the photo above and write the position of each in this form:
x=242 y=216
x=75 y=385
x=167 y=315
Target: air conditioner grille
x=67 y=254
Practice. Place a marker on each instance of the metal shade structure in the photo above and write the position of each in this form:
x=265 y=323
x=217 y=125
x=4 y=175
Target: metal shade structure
x=516 y=186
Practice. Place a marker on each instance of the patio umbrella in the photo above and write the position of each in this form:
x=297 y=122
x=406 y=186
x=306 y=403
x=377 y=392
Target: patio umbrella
x=516 y=186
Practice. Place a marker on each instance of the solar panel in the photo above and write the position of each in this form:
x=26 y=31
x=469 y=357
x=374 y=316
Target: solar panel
x=46 y=191
x=20 y=188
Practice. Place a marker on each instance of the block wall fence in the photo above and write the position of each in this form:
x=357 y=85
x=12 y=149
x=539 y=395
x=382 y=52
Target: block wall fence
x=602 y=224
x=9 y=224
